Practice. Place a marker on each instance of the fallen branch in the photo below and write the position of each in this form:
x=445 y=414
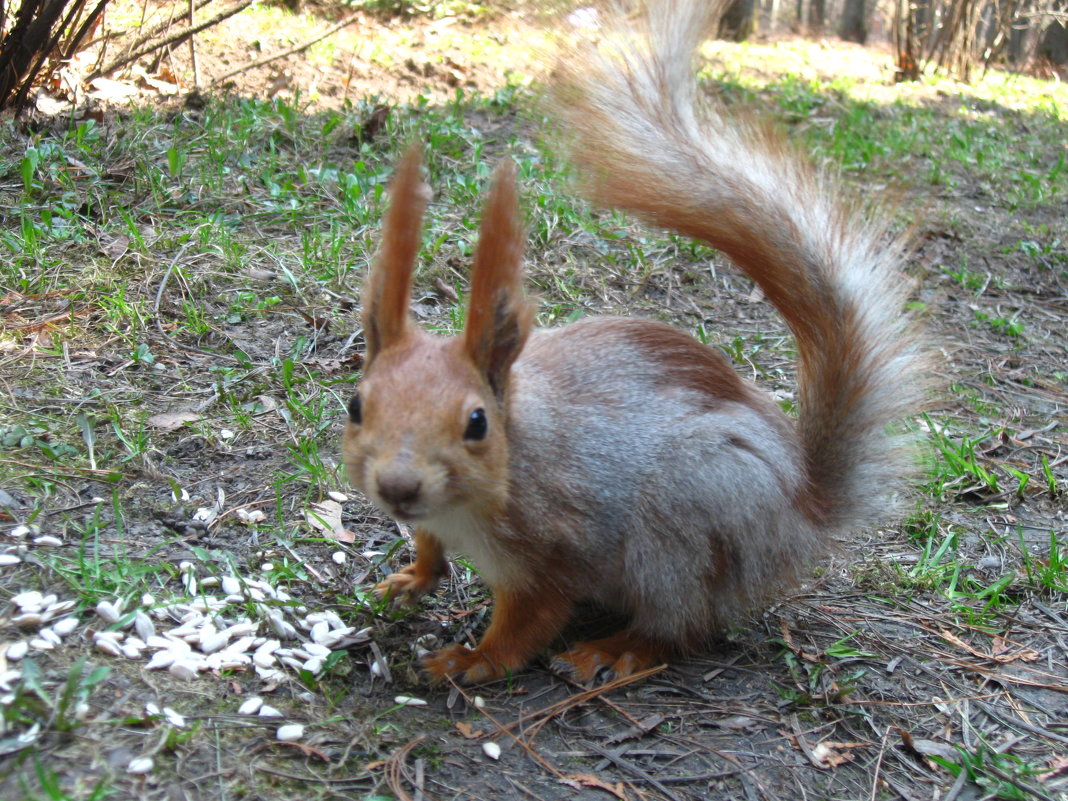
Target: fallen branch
x=176 y=37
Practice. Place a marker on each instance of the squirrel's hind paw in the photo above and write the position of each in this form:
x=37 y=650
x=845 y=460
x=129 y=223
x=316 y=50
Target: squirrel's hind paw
x=607 y=659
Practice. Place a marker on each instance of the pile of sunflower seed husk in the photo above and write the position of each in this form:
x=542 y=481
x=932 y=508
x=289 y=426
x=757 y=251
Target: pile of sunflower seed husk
x=193 y=636
x=190 y=636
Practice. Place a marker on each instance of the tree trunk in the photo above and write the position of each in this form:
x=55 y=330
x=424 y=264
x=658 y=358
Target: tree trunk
x=1054 y=45
x=738 y=21
x=817 y=14
x=854 y=21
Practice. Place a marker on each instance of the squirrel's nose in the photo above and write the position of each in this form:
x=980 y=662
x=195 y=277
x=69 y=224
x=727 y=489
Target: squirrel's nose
x=398 y=488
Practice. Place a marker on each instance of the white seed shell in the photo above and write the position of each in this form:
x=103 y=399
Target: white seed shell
x=140 y=766
x=107 y=646
x=290 y=732
x=65 y=626
x=28 y=599
x=143 y=625
x=183 y=669
x=160 y=660
x=108 y=611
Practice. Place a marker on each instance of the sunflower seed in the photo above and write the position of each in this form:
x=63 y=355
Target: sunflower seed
x=59 y=607
x=143 y=625
x=213 y=641
x=183 y=669
x=140 y=766
x=110 y=612
x=290 y=732
x=319 y=631
x=160 y=660
x=31 y=600
x=107 y=646
x=314 y=665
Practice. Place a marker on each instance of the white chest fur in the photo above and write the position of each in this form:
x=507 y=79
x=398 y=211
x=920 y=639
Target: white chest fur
x=464 y=531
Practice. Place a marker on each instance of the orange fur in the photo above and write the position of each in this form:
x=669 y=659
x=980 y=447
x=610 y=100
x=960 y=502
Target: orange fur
x=421 y=576
x=609 y=658
x=389 y=286
x=524 y=621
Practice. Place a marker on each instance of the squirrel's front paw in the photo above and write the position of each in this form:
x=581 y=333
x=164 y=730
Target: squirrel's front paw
x=407 y=586
x=469 y=667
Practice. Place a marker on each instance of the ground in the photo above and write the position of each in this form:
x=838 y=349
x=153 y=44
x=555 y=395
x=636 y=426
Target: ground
x=181 y=332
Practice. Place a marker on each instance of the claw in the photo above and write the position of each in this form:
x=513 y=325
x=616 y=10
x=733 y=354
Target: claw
x=466 y=665
x=407 y=586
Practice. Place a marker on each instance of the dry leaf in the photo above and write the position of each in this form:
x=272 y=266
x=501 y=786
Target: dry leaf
x=643 y=727
x=997 y=655
x=589 y=780
x=326 y=517
x=737 y=722
x=829 y=754
x=1058 y=767
x=468 y=731
x=169 y=421
x=933 y=748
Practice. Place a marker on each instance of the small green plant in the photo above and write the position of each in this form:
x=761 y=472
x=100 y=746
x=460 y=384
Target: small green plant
x=50 y=787
x=67 y=708
x=960 y=464
x=1012 y=327
x=100 y=568
x=1051 y=480
x=1050 y=573
x=972 y=281
x=1001 y=775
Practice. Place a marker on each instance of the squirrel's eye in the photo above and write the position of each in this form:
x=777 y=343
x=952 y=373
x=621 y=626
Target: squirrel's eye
x=477 y=425
x=355 y=412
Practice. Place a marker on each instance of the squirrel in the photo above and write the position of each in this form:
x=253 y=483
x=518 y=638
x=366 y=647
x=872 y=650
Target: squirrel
x=618 y=461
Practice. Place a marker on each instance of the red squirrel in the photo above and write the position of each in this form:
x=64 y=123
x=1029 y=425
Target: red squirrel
x=618 y=461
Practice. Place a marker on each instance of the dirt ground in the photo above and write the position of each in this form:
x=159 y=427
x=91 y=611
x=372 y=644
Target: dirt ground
x=853 y=688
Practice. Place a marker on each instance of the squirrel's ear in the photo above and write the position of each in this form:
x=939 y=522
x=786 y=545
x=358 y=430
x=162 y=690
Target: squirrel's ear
x=499 y=317
x=385 y=294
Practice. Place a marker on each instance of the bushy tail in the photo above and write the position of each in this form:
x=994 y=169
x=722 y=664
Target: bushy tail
x=643 y=143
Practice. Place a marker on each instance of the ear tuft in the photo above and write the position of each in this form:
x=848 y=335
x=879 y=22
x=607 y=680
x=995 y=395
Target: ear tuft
x=386 y=292
x=499 y=317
